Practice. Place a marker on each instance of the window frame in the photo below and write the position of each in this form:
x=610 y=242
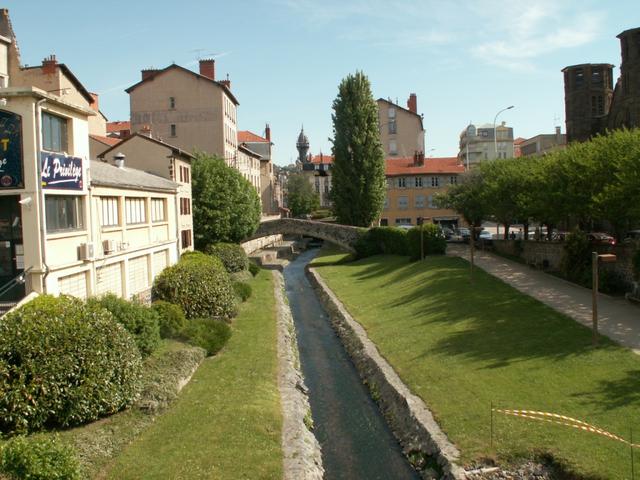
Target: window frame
x=142 y=217
x=77 y=212
x=47 y=132
x=154 y=204
x=106 y=211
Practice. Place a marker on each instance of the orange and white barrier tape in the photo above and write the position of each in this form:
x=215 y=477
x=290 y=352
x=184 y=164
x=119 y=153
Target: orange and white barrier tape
x=563 y=420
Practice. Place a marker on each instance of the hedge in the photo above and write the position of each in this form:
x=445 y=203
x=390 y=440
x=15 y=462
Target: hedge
x=433 y=241
x=207 y=333
x=199 y=284
x=170 y=317
x=242 y=290
x=39 y=459
x=63 y=363
x=232 y=255
x=382 y=240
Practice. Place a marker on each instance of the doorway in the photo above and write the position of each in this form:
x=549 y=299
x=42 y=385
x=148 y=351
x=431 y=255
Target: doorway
x=11 y=249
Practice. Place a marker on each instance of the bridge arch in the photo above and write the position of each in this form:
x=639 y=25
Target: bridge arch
x=342 y=235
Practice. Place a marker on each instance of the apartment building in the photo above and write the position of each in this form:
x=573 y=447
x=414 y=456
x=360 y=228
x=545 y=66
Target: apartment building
x=401 y=129
x=483 y=142
x=187 y=109
x=248 y=164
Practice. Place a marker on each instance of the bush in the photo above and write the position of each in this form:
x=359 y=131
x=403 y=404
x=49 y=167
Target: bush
x=576 y=259
x=207 y=333
x=62 y=363
x=254 y=268
x=39 y=459
x=139 y=320
x=382 y=240
x=242 y=290
x=232 y=255
x=199 y=284
x=170 y=317
x=433 y=241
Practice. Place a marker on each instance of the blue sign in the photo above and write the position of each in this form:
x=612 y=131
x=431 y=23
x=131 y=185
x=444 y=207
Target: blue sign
x=10 y=151
x=60 y=171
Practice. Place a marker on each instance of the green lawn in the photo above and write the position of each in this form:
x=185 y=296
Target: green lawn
x=227 y=422
x=461 y=346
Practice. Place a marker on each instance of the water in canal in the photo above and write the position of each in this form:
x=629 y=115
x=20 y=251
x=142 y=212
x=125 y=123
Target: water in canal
x=356 y=442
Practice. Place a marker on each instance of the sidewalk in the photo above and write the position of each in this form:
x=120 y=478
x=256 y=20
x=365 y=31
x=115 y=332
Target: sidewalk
x=618 y=319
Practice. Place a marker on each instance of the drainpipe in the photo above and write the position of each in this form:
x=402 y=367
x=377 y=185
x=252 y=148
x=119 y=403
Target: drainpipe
x=40 y=191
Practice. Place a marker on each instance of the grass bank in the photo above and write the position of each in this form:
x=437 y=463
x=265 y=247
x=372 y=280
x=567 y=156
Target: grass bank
x=463 y=346
x=227 y=422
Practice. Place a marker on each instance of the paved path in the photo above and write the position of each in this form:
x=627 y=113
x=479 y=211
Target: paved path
x=618 y=319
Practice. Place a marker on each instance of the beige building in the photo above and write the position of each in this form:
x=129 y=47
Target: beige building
x=154 y=156
x=248 y=164
x=69 y=225
x=187 y=109
x=401 y=129
x=477 y=144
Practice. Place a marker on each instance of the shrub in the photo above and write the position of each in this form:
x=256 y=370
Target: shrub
x=232 y=255
x=382 y=240
x=39 y=459
x=576 y=259
x=242 y=290
x=433 y=241
x=170 y=317
x=207 y=333
x=254 y=268
x=198 y=283
x=63 y=362
x=139 y=320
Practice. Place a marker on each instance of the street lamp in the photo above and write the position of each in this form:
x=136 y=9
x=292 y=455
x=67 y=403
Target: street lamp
x=495 y=134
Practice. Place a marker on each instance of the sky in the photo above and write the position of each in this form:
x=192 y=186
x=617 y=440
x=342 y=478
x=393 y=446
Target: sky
x=465 y=59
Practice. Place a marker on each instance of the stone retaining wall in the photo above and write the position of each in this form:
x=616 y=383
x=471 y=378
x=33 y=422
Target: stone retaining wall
x=259 y=243
x=407 y=415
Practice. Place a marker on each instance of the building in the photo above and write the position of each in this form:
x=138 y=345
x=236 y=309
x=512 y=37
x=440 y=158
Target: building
x=477 y=143
x=156 y=157
x=317 y=169
x=68 y=224
x=593 y=104
x=191 y=110
x=543 y=143
x=100 y=143
x=401 y=129
x=412 y=185
x=118 y=129
x=517 y=153
x=248 y=164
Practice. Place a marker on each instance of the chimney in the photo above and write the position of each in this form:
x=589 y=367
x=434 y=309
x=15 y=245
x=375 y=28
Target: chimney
x=418 y=158
x=95 y=105
x=208 y=68
x=227 y=82
x=412 y=103
x=118 y=159
x=558 y=135
x=49 y=65
x=148 y=73
x=267 y=133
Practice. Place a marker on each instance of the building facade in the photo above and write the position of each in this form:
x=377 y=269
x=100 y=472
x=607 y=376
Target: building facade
x=543 y=143
x=477 y=143
x=401 y=129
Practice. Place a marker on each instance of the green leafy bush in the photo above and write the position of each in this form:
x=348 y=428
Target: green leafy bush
x=254 y=268
x=139 y=320
x=38 y=459
x=576 y=259
x=63 y=362
x=170 y=317
x=242 y=290
x=207 y=333
x=382 y=240
x=198 y=283
x=433 y=241
x=232 y=255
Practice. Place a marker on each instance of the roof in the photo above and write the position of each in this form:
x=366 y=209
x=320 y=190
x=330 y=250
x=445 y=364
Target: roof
x=245 y=136
x=118 y=126
x=106 y=175
x=582 y=65
x=175 y=150
x=320 y=159
x=74 y=80
x=178 y=67
x=402 y=108
x=106 y=140
x=406 y=166
x=246 y=149
x=519 y=140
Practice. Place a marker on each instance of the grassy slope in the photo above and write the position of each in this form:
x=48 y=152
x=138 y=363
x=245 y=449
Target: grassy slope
x=227 y=422
x=461 y=346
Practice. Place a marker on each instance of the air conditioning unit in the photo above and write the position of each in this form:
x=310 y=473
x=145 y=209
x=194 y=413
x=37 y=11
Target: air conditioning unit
x=86 y=251
x=109 y=246
x=123 y=246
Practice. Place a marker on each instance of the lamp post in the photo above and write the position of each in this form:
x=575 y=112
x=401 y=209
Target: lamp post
x=595 y=259
x=495 y=134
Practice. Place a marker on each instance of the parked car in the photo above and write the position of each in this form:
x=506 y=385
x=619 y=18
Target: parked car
x=632 y=236
x=485 y=235
x=559 y=236
x=465 y=234
x=447 y=232
x=600 y=238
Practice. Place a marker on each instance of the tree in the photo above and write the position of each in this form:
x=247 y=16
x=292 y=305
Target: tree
x=358 y=178
x=300 y=195
x=226 y=207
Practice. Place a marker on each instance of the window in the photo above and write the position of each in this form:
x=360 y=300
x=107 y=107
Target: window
x=392 y=112
x=136 y=212
x=600 y=105
x=64 y=213
x=185 y=174
x=419 y=201
x=157 y=210
x=435 y=181
x=393 y=147
x=173 y=130
x=185 y=206
x=54 y=133
x=384 y=222
x=453 y=180
x=403 y=221
x=326 y=188
x=596 y=77
x=386 y=202
x=172 y=102
x=317 y=185
x=110 y=217
x=579 y=77
x=418 y=181
x=185 y=236
x=402 y=182
x=393 y=127
x=430 y=202
x=403 y=202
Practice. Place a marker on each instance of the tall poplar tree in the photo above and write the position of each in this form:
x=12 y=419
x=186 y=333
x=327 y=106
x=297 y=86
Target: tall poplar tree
x=358 y=179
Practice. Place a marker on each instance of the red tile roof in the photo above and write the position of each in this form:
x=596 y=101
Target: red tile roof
x=245 y=136
x=118 y=126
x=322 y=159
x=106 y=140
x=406 y=166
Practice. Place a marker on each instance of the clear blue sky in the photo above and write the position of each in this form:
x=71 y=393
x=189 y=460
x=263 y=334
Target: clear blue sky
x=464 y=59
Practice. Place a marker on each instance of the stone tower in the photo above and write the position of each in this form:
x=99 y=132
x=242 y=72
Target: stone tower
x=625 y=111
x=588 y=91
x=303 y=147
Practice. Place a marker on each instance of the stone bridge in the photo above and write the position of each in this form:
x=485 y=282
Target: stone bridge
x=342 y=235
